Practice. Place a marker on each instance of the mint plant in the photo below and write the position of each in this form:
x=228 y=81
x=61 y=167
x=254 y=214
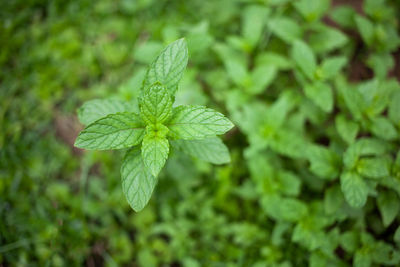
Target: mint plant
x=149 y=129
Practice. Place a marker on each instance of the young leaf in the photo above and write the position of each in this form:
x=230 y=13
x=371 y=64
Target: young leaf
x=253 y=23
x=383 y=128
x=96 y=109
x=168 y=67
x=155 y=151
x=304 y=57
x=312 y=10
x=389 y=206
x=286 y=29
x=396 y=235
x=212 y=150
x=326 y=39
x=156 y=105
x=373 y=167
x=355 y=190
x=261 y=77
x=366 y=29
x=321 y=94
x=324 y=162
x=197 y=122
x=115 y=131
x=331 y=66
x=362 y=258
x=137 y=182
x=347 y=129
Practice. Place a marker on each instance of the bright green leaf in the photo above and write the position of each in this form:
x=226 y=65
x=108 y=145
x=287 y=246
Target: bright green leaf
x=212 y=150
x=324 y=162
x=156 y=105
x=137 y=182
x=326 y=39
x=115 y=131
x=321 y=94
x=262 y=76
x=197 y=122
x=383 y=128
x=286 y=29
x=355 y=190
x=155 y=151
x=389 y=206
x=366 y=29
x=168 y=67
x=312 y=10
x=373 y=167
x=96 y=109
x=346 y=128
x=304 y=57
x=330 y=67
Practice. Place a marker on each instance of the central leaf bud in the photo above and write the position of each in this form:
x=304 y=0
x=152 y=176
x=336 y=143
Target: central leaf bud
x=157 y=130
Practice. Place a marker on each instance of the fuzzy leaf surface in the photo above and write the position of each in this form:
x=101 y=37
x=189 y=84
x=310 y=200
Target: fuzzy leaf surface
x=137 y=182
x=355 y=190
x=212 y=150
x=156 y=105
x=96 y=109
x=168 y=67
x=115 y=131
x=197 y=122
x=155 y=151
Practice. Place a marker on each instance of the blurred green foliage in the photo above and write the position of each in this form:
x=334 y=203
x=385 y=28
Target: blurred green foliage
x=315 y=172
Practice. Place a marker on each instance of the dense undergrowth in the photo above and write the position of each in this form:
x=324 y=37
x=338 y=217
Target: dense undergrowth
x=311 y=85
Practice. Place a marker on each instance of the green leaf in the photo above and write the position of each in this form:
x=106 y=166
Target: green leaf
x=363 y=147
x=197 y=122
x=156 y=105
x=366 y=29
x=385 y=254
x=331 y=66
x=286 y=29
x=324 y=162
x=254 y=18
x=155 y=151
x=279 y=61
x=344 y=16
x=286 y=209
x=304 y=57
x=394 y=108
x=115 y=131
x=321 y=94
x=396 y=235
x=326 y=39
x=362 y=258
x=346 y=128
x=262 y=76
x=168 y=67
x=212 y=150
x=354 y=189
x=383 y=128
x=96 y=109
x=312 y=10
x=389 y=206
x=237 y=71
x=349 y=241
x=352 y=98
x=333 y=200
x=137 y=182
x=373 y=167
x=381 y=64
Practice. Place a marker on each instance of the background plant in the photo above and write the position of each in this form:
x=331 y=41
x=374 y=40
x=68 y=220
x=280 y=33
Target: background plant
x=311 y=85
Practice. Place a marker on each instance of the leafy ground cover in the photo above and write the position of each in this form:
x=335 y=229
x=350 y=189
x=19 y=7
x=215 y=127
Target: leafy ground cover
x=312 y=87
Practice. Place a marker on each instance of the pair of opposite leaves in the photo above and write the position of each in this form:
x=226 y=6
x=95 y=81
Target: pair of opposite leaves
x=192 y=129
